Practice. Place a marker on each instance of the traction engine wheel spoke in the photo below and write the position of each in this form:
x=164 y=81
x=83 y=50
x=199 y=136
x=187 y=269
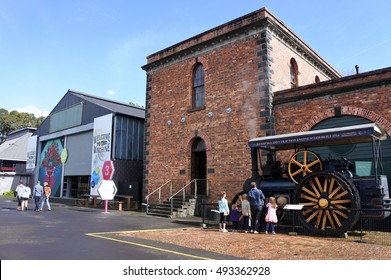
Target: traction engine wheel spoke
x=317 y=212
x=331 y=186
x=340 y=201
x=315 y=189
x=310 y=192
x=340 y=213
x=330 y=219
x=340 y=195
x=303 y=163
x=336 y=218
x=318 y=184
x=309 y=198
x=319 y=218
x=327 y=198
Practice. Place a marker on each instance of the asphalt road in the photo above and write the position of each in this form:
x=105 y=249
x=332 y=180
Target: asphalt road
x=78 y=233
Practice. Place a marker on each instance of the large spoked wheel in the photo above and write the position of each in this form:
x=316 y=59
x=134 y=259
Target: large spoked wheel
x=327 y=198
x=303 y=163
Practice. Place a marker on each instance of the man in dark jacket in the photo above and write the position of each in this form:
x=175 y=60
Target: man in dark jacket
x=37 y=193
x=257 y=199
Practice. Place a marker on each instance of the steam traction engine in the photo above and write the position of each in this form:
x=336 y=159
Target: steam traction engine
x=330 y=191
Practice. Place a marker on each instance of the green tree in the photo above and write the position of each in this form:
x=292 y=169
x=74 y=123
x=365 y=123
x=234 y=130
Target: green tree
x=11 y=121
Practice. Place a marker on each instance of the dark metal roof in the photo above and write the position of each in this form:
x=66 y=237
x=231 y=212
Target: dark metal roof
x=323 y=137
x=93 y=107
x=113 y=106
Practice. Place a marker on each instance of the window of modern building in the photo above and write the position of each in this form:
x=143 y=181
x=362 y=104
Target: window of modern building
x=294 y=71
x=198 y=86
x=129 y=138
x=66 y=118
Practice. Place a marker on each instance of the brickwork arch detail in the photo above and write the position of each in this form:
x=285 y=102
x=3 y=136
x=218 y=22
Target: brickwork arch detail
x=188 y=142
x=349 y=110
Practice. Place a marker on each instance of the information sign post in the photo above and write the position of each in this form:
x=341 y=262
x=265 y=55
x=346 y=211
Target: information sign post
x=107 y=191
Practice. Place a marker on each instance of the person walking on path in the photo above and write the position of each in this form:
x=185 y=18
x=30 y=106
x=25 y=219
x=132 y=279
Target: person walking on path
x=19 y=191
x=46 y=195
x=246 y=213
x=257 y=199
x=25 y=195
x=37 y=194
x=271 y=216
x=224 y=212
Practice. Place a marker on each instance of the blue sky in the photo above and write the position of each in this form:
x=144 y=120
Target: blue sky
x=98 y=46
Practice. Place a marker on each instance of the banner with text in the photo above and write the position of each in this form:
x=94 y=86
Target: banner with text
x=101 y=149
x=31 y=153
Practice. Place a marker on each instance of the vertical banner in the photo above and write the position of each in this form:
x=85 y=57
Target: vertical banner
x=101 y=149
x=31 y=153
x=50 y=166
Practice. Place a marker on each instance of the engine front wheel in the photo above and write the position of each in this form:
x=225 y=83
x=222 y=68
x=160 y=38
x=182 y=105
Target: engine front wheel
x=303 y=163
x=330 y=202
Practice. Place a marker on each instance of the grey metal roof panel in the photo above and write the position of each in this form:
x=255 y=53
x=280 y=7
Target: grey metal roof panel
x=15 y=148
x=114 y=106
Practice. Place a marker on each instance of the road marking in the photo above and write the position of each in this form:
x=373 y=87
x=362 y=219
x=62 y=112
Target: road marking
x=139 y=230
x=101 y=235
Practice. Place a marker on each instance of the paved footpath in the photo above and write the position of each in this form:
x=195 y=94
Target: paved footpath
x=78 y=233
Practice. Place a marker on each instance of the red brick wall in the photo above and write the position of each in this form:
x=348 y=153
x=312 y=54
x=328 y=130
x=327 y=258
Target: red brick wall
x=242 y=66
x=367 y=95
x=230 y=82
x=282 y=54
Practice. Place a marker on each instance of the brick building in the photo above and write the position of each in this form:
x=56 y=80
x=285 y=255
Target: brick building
x=357 y=99
x=250 y=77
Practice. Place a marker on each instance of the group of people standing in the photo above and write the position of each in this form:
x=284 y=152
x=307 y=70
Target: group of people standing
x=250 y=212
x=41 y=194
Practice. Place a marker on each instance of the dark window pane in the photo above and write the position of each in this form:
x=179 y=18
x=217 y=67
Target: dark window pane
x=198 y=87
x=118 y=137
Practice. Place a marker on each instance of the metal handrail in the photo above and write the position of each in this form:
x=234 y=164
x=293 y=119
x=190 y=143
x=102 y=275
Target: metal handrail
x=184 y=192
x=160 y=193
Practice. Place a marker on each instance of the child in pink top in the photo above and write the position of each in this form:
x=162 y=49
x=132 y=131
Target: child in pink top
x=271 y=217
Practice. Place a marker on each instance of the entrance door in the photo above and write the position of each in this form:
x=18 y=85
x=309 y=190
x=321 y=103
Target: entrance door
x=199 y=166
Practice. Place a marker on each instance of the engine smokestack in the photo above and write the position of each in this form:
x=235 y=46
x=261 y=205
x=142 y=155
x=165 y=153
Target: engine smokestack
x=357 y=69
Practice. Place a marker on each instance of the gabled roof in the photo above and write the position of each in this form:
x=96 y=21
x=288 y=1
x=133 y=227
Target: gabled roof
x=114 y=106
x=93 y=107
x=15 y=148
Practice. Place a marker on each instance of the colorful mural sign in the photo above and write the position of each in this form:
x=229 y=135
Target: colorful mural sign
x=50 y=166
x=101 y=149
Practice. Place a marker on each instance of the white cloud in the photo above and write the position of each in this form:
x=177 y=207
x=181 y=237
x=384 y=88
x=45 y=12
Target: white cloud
x=32 y=109
x=110 y=92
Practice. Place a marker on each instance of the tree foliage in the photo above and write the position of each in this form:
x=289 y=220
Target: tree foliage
x=11 y=121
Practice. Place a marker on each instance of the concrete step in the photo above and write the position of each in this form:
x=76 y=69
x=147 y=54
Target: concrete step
x=164 y=209
x=165 y=215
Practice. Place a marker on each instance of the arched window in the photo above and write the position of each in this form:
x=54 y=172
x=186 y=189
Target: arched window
x=294 y=73
x=198 y=86
x=317 y=80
